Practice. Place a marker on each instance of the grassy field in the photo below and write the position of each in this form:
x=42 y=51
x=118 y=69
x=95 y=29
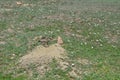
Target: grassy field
x=90 y=30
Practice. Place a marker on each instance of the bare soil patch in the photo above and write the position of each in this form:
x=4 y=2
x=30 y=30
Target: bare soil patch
x=42 y=55
x=40 y=58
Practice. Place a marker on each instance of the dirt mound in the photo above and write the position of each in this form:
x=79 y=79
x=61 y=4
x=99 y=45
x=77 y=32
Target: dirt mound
x=42 y=55
x=40 y=59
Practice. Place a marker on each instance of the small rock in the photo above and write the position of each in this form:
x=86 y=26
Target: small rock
x=19 y=3
x=73 y=65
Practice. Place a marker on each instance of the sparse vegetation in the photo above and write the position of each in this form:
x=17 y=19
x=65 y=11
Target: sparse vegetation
x=90 y=30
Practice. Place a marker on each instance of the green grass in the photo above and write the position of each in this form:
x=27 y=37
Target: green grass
x=9 y=77
x=90 y=30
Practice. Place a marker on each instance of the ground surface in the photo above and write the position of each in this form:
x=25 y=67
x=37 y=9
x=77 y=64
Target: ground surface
x=90 y=30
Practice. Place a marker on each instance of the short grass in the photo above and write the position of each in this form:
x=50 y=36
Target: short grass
x=90 y=30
